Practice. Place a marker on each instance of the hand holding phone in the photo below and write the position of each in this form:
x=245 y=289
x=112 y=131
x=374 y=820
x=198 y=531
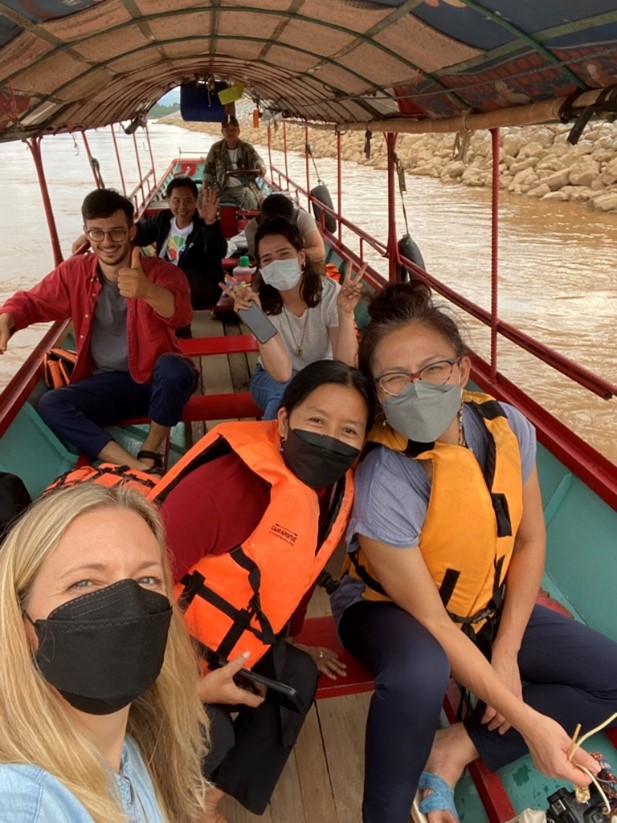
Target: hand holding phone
x=220 y=686
x=258 y=322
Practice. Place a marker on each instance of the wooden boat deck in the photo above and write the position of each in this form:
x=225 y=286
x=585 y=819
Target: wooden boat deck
x=322 y=782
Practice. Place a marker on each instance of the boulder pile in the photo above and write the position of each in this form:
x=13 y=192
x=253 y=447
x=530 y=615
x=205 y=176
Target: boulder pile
x=535 y=161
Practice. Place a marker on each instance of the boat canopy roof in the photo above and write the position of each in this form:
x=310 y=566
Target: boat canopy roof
x=404 y=65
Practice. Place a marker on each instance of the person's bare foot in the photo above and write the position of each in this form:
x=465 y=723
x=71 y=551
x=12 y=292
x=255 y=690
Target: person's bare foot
x=452 y=750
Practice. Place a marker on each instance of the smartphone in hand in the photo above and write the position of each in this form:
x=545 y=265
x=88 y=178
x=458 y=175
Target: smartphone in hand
x=279 y=692
x=258 y=322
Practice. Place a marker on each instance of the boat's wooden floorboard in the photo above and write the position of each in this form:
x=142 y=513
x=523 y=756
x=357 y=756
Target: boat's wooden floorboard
x=322 y=782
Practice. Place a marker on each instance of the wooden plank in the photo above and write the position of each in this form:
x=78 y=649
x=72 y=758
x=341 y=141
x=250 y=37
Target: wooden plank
x=315 y=782
x=342 y=721
x=287 y=803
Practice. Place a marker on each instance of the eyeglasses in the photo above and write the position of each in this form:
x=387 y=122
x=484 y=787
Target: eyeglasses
x=98 y=235
x=394 y=382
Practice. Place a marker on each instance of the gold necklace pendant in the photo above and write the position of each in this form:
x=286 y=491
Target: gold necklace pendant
x=297 y=345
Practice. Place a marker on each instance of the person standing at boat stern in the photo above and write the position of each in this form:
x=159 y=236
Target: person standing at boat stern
x=125 y=309
x=446 y=548
x=231 y=167
x=312 y=314
x=99 y=723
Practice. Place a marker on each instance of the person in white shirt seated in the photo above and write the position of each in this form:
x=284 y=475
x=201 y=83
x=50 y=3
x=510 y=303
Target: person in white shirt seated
x=280 y=205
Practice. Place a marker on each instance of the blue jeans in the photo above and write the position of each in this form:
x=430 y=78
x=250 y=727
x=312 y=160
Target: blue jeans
x=569 y=673
x=78 y=413
x=268 y=392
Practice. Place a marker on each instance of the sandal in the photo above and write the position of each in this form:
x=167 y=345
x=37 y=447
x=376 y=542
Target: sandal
x=441 y=797
x=157 y=458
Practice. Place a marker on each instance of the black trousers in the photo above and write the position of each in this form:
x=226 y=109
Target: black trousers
x=247 y=753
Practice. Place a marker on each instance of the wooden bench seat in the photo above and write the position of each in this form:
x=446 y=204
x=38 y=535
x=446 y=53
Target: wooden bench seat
x=222 y=344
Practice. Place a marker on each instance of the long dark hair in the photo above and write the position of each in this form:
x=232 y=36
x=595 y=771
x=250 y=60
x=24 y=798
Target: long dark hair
x=311 y=283
x=322 y=372
x=401 y=304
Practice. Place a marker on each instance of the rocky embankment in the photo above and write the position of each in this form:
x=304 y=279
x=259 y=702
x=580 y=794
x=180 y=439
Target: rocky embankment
x=536 y=161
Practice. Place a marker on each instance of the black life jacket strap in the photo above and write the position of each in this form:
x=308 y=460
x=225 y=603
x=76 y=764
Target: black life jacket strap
x=366 y=578
x=490 y=410
x=195 y=586
x=448 y=584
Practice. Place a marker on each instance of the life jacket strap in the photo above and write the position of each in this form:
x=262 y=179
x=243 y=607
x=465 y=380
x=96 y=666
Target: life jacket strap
x=362 y=573
x=195 y=586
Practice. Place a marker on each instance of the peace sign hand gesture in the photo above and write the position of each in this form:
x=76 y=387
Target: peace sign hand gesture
x=351 y=289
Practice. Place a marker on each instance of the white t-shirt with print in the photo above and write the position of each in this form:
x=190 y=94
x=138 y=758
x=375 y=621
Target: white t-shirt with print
x=176 y=241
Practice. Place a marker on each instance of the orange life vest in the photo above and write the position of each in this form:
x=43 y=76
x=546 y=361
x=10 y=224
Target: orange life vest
x=241 y=600
x=106 y=474
x=468 y=534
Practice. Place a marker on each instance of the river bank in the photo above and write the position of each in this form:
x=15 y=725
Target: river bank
x=536 y=161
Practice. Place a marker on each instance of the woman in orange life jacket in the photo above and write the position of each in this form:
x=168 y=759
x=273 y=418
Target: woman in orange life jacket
x=312 y=313
x=447 y=509
x=322 y=423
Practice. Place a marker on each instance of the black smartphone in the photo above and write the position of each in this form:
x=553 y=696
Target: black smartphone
x=279 y=692
x=258 y=322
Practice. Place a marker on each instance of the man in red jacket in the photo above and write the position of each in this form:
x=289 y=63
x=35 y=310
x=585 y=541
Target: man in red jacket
x=125 y=309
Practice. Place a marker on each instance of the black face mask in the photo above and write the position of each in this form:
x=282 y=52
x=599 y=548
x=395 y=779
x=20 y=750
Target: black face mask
x=104 y=649
x=317 y=459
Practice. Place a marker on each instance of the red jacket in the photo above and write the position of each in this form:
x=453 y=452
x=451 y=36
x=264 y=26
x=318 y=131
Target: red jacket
x=70 y=292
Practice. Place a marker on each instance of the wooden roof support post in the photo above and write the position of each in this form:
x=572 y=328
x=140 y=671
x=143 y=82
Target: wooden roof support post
x=34 y=144
x=393 y=261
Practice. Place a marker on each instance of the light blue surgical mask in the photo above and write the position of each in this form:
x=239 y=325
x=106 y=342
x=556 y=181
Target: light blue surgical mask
x=423 y=410
x=282 y=274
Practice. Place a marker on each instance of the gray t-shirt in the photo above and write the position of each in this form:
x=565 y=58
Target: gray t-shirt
x=304 y=221
x=310 y=332
x=392 y=494
x=109 y=343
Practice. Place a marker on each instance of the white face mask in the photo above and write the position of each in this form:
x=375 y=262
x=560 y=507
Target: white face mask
x=282 y=274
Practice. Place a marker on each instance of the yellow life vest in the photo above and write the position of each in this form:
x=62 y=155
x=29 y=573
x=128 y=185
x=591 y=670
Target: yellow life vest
x=472 y=518
x=241 y=600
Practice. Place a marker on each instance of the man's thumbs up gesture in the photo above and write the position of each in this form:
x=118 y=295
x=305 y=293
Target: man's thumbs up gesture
x=132 y=282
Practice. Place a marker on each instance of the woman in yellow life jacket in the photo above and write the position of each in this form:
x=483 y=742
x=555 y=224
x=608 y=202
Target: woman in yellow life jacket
x=252 y=514
x=446 y=553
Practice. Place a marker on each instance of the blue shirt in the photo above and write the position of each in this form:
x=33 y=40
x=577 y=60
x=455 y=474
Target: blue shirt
x=29 y=794
x=392 y=494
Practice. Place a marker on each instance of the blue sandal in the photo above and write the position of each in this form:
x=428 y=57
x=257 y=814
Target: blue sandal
x=441 y=797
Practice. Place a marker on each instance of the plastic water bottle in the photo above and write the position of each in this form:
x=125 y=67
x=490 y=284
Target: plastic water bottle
x=244 y=272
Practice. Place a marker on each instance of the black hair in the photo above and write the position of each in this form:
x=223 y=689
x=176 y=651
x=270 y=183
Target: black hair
x=230 y=120
x=399 y=305
x=311 y=285
x=182 y=182
x=104 y=203
x=322 y=372
x=277 y=205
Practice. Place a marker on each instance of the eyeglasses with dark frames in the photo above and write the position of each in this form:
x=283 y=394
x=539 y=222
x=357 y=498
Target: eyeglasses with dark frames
x=439 y=372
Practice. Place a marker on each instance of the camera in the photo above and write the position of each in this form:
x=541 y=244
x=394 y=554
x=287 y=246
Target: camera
x=565 y=808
